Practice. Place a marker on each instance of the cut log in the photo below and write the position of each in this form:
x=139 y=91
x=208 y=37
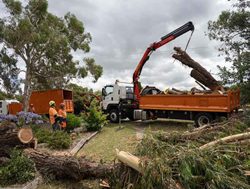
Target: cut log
x=11 y=136
x=199 y=73
x=232 y=138
x=25 y=135
x=247 y=173
x=69 y=167
x=130 y=160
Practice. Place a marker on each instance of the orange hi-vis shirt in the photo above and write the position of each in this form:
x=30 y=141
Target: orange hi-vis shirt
x=52 y=113
x=62 y=113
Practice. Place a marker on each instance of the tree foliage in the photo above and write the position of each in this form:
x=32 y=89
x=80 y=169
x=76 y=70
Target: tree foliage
x=232 y=29
x=82 y=97
x=9 y=73
x=44 y=43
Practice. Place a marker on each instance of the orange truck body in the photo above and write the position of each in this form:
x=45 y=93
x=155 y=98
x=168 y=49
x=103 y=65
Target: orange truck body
x=14 y=108
x=40 y=100
x=224 y=103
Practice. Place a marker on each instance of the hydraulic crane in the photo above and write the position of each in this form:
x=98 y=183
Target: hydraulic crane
x=164 y=40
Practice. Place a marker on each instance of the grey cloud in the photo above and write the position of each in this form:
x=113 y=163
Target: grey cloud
x=122 y=30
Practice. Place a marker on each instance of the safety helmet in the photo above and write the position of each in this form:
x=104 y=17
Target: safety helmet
x=51 y=103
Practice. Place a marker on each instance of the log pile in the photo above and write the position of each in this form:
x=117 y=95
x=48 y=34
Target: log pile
x=192 y=91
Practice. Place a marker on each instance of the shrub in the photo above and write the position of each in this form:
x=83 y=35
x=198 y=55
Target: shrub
x=42 y=134
x=19 y=169
x=73 y=121
x=54 y=139
x=94 y=119
x=59 y=140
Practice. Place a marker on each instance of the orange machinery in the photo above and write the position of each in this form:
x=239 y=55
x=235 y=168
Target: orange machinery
x=40 y=100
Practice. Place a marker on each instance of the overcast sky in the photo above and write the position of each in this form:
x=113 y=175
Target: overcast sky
x=123 y=29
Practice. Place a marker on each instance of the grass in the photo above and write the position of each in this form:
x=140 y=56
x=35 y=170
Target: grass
x=102 y=147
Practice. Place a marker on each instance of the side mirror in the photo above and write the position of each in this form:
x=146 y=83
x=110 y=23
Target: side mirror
x=104 y=93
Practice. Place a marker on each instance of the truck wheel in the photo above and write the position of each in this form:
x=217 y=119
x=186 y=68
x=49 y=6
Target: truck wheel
x=202 y=119
x=114 y=116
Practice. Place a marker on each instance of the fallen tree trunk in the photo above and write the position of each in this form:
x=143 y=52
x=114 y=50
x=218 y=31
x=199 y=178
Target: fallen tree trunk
x=199 y=73
x=232 y=138
x=67 y=167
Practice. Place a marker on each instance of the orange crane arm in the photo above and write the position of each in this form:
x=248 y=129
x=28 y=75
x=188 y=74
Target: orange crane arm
x=164 y=40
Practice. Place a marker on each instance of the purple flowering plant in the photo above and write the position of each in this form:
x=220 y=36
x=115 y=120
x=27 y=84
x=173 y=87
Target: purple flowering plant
x=23 y=118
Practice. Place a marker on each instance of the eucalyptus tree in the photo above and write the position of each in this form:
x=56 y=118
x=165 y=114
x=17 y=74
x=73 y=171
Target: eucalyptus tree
x=43 y=44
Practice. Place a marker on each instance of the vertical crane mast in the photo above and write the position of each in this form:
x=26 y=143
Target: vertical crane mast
x=164 y=40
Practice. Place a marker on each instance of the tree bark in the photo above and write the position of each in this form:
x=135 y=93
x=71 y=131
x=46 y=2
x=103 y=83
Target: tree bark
x=27 y=88
x=207 y=81
x=67 y=167
x=199 y=73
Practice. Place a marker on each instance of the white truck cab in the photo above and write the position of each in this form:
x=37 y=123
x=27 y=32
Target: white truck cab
x=117 y=99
